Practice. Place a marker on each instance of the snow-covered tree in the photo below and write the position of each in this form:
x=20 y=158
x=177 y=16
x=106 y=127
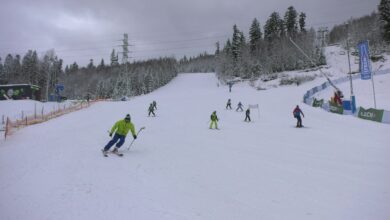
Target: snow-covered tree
x=290 y=21
x=384 y=12
x=255 y=35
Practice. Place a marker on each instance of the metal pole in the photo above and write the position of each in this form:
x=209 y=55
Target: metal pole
x=372 y=74
x=349 y=65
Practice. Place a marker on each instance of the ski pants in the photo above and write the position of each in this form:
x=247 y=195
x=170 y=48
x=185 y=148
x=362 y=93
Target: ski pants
x=239 y=108
x=299 y=121
x=247 y=118
x=115 y=139
x=213 y=123
x=228 y=106
x=151 y=112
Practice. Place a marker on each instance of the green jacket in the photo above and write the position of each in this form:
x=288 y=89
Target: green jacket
x=214 y=117
x=122 y=127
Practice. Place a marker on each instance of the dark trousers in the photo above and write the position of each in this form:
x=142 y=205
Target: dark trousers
x=115 y=139
x=299 y=121
x=239 y=107
x=228 y=106
x=247 y=117
x=151 y=112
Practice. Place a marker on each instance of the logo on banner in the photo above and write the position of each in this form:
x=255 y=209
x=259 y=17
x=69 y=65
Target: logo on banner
x=365 y=70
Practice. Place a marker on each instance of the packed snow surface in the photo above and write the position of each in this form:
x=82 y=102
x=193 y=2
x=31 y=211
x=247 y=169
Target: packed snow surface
x=336 y=167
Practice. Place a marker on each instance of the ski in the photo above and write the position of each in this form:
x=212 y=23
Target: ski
x=117 y=153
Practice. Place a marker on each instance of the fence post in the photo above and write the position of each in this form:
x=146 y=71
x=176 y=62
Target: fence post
x=6 y=129
x=22 y=115
x=42 y=113
x=26 y=121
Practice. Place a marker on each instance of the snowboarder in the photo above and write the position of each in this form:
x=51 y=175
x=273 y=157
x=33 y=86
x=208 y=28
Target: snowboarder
x=154 y=105
x=297 y=114
x=121 y=128
x=214 y=120
x=247 y=113
x=239 y=106
x=229 y=104
x=151 y=110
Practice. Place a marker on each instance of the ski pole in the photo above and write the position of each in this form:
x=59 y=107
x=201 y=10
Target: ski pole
x=128 y=148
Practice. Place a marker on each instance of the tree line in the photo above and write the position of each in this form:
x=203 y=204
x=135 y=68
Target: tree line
x=109 y=81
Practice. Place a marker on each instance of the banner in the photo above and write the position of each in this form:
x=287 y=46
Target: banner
x=335 y=108
x=371 y=114
x=254 y=106
x=365 y=69
x=318 y=103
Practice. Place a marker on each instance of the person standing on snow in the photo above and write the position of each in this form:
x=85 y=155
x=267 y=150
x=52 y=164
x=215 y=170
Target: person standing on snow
x=151 y=109
x=214 y=120
x=154 y=105
x=229 y=104
x=247 y=115
x=297 y=114
x=121 y=128
x=239 y=106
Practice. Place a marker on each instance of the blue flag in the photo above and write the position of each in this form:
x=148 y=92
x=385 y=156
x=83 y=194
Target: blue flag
x=365 y=67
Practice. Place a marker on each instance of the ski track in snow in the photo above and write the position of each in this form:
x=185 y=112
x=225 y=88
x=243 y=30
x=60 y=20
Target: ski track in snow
x=336 y=168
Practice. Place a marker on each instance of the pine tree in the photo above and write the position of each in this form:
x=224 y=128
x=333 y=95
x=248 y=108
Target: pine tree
x=101 y=65
x=217 y=49
x=236 y=43
x=273 y=27
x=90 y=65
x=8 y=67
x=290 y=20
x=384 y=12
x=254 y=35
x=1 y=72
x=302 y=22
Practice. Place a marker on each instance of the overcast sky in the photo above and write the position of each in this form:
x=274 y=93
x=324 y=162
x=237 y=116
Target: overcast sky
x=79 y=30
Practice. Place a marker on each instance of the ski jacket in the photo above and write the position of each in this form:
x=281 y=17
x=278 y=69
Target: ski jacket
x=122 y=127
x=214 y=117
x=151 y=108
x=297 y=112
x=247 y=112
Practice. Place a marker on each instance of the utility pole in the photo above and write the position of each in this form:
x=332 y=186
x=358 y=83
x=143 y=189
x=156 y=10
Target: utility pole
x=322 y=34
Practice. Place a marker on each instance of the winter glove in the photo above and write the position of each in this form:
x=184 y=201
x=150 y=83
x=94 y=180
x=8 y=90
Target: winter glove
x=110 y=134
x=135 y=136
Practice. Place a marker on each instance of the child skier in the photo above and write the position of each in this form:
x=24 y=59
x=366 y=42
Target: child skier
x=247 y=117
x=297 y=114
x=239 y=106
x=214 y=120
x=229 y=104
x=121 y=128
x=154 y=105
x=151 y=109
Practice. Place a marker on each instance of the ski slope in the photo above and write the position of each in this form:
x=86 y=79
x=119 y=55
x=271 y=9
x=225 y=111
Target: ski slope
x=337 y=167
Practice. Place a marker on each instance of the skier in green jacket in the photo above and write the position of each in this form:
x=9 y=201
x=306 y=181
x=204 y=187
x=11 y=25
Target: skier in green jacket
x=214 y=120
x=121 y=128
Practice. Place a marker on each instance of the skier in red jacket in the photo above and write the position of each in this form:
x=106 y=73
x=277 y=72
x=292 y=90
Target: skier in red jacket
x=297 y=114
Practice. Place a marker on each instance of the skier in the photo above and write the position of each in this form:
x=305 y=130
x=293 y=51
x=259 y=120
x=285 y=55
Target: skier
x=297 y=114
x=247 y=112
x=154 y=105
x=151 y=110
x=229 y=104
x=214 y=120
x=239 y=106
x=121 y=128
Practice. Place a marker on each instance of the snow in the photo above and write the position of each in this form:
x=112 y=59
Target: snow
x=336 y=167
x=15 y=108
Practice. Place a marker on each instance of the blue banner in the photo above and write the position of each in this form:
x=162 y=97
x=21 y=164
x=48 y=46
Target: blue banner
x=365 y=70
